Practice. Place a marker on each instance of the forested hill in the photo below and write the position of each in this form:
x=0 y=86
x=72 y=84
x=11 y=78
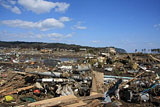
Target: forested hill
x=40 y=45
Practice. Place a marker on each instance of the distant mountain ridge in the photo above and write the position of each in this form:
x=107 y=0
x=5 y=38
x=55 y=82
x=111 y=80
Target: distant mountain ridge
x=40 y=45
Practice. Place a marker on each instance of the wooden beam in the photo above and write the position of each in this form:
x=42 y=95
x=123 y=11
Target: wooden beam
x=19 y=89
x=131 y=80
x=92 y=96
x=94 y=103
x=154 y=58
x=54 y=101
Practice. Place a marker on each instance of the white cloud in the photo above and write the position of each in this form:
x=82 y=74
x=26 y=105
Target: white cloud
x=8 y=5
x=18 y=23
x=11 y=35
x=78 y=26
x=43 y=25
x=16 y=10
x=39 y=36
x=36 y=6
x=64 y=19
x=33 y=36
x=12 y=2
x=58 y=36
x=157 y=26
x=81 y=27
x=69 y=35
x=55 y=39
x=95 y=41
x=5 y=5
x=61 y=7
x=42 y=6
x=55 y=35
x=49 y=24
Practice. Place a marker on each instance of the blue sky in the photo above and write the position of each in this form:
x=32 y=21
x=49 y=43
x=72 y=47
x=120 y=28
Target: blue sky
x=127 y=24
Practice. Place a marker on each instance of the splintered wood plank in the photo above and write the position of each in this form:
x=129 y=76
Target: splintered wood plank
x=80 y=103
x=19 y=89
x=98 y=82
x=53 y=101
x=94 y=103
x=92 y=96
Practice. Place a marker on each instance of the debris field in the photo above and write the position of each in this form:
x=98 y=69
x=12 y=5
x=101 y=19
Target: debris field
x=96 y=80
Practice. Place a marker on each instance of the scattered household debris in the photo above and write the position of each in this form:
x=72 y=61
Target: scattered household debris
x=109 y=79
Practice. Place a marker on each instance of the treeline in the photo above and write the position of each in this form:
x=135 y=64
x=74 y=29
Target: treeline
x=148 y=50
x=155 y=50
x=41 y=45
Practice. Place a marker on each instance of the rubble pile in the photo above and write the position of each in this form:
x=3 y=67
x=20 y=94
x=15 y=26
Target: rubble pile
x=105 y=79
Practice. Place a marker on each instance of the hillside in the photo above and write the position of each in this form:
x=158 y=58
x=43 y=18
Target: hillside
x=40 y=45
